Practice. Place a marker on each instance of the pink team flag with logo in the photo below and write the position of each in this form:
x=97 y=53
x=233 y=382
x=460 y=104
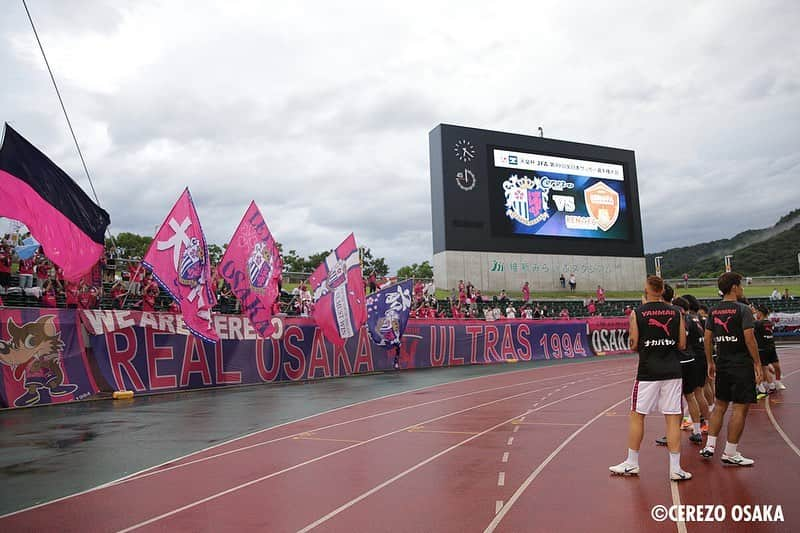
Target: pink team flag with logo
x=178 y=259
x=338 y=285
x=252 y=266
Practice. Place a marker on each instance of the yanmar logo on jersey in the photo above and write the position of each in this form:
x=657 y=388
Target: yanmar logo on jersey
x=658 y=312
x=659 y=342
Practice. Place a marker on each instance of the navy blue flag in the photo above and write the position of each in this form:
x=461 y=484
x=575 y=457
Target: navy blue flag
x=387 y=313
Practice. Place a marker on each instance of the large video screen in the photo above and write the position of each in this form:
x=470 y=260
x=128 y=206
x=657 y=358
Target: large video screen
x=494 y=191
x=541 y=195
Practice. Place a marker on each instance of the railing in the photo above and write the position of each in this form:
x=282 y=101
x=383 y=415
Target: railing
x=777 y=281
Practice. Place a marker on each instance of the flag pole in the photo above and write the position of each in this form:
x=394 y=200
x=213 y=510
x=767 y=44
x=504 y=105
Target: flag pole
x=138 y=269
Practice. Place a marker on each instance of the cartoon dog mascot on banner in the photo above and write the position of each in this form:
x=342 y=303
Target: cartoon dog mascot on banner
x=32 y=352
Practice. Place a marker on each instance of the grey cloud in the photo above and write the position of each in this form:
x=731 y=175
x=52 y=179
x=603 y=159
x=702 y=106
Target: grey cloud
x=321 y=114
x=760 y=86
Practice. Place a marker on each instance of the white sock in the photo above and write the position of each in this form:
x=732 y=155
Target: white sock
x=730 y=449
x=633 y=457
x=711 y=442
x=675 y=462
x=696 y=428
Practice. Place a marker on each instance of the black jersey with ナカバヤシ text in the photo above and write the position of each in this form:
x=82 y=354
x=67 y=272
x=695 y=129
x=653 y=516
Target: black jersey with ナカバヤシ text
x=727 y=322
x=659 y=332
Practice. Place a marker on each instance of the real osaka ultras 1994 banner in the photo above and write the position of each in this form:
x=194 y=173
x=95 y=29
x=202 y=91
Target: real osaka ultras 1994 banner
x=43 y=359
x=148 y=352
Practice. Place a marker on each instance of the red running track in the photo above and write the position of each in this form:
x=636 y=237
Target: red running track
x=519 y=451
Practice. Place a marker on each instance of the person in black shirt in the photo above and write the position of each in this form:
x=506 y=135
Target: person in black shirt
x=697 y=314
x=695 y=339
x=658 y=333
x=766 y=350
x=694 y=377
x=692 y=372
x=737 y=369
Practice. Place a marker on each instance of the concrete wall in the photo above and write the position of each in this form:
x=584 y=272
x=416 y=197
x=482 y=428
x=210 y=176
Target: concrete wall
x=493 y=271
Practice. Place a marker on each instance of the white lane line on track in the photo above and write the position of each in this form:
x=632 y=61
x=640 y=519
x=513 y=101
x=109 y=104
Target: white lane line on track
x=501 y=479
x=676 y=500
x=777 y=426
x=497 y=506
x=676 y=496
x=443 y=452
x=158 y=471
x=516 y=428
x=525 y=484
x=151 y=470
x=341 y=450
x=510 y=441
x=505 y=457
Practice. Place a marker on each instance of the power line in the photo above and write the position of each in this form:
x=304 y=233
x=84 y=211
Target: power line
x=61 y=101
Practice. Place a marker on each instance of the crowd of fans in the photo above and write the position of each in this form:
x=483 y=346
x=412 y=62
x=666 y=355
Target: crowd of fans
x=39 y=279
x=123 y=283
x=467 y=302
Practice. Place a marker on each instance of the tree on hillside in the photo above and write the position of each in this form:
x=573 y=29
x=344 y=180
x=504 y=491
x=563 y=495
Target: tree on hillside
x=315 y=260
x=775 y=256
x=293 y=262
x=370 y=263
x=756 y=252
x=423 y=270
x=130 y=244
x=215 y=253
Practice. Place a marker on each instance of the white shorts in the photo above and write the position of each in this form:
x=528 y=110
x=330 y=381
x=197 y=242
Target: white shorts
x=650 y=397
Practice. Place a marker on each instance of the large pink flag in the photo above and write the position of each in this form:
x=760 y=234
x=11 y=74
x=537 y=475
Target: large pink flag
x=340 y=304
x=252 y=266
x=178 y=259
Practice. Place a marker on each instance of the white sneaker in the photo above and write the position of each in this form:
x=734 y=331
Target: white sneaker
x=707 y=452
x=738 y=460
x=760 y=388
x=780 y=386
x=680 y=475
x=625 y=469
x=772 y=387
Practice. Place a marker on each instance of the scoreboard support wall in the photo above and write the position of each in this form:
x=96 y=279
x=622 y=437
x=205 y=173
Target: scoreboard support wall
x=494 y=271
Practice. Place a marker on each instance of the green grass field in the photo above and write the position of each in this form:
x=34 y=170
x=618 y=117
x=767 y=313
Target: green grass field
x=700 y=292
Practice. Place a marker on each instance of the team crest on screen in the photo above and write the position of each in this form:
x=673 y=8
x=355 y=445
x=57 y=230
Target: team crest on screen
x=526 y=200
x=259 y=266
x=602 y=203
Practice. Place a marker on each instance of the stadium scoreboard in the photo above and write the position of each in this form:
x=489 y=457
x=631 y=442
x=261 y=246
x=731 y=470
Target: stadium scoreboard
x=500 y=195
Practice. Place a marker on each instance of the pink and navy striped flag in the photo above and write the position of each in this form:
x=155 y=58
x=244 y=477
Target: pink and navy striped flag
x=178 y=259
x=36 y=192
x=252 y=266
x=338 y=285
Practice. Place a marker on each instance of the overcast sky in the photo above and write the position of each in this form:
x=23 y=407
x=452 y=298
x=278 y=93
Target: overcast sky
x=320 y=111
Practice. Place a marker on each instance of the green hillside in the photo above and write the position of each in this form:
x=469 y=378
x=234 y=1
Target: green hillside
x=759 y=252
